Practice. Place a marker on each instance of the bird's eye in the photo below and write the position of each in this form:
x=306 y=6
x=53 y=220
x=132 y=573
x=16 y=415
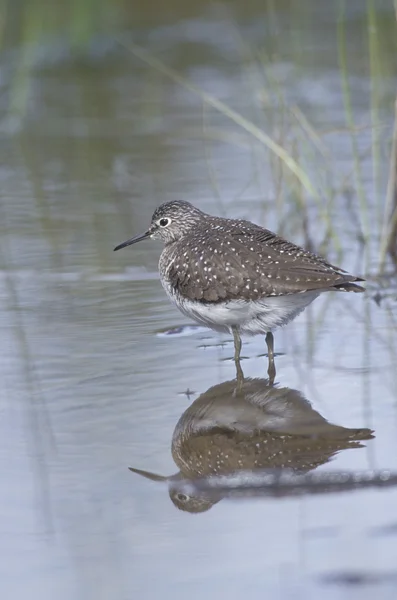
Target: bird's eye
x=164 y=222
x=182 y=497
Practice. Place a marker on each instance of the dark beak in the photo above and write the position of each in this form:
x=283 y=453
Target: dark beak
x=149 y=475
x=134 y=240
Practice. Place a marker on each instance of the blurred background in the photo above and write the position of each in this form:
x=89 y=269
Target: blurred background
x=280 y=112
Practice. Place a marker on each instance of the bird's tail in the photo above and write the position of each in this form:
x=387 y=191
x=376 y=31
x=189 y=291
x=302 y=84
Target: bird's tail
x=349 y=287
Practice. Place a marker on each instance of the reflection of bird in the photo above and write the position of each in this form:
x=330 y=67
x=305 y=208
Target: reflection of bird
x=264 y=427
x=236 y=277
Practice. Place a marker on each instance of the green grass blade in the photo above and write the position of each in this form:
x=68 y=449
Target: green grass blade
x=233 y=115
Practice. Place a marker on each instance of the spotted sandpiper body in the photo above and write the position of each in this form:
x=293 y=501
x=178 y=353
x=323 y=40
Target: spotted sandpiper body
x=263 y=428
x=237 y=277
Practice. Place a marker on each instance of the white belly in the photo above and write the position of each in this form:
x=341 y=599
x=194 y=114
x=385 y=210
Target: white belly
x=251 y=317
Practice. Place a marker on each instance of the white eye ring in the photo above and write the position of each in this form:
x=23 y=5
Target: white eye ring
x=163 y=222
x=182 y=497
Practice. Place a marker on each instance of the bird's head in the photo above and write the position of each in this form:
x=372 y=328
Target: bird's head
x=171 y=221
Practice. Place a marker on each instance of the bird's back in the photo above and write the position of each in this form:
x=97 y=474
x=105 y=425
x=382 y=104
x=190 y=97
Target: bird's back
x=226 y=259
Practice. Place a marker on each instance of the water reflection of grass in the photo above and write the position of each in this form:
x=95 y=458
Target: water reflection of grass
x=294 y=184
x=379 y=67
x=302 y=167
x=292 y=142
x=307 y=189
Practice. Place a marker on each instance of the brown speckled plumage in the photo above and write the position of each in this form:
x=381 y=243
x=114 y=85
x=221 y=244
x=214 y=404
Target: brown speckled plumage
x=226 y=259
x=265 y=427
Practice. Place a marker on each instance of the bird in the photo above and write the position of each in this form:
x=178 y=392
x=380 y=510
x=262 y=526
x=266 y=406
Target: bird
x=265 y=428
x=237 y=277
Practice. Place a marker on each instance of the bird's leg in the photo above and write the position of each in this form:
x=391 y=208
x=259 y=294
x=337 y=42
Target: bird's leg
x=237 y=350
x=271 y=369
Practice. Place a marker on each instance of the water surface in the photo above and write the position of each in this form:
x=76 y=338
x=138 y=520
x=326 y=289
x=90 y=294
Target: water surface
x=95 y=142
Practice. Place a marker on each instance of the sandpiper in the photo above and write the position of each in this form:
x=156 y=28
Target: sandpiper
x=264 y=429
x=234 y=276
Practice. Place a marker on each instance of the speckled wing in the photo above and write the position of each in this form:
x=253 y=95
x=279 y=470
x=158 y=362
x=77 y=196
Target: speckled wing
x=249 y=262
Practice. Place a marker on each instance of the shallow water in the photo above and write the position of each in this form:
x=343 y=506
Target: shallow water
x=92 y=384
